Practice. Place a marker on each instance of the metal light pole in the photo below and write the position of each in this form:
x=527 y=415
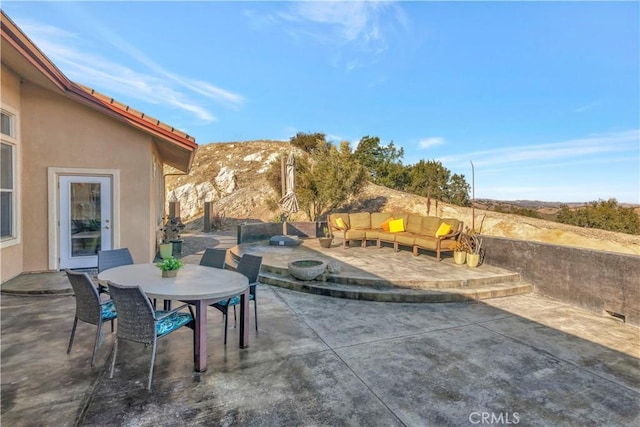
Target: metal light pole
x=473 y=198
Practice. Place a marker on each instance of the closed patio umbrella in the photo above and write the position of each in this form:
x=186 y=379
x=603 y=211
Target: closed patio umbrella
x=289 y=201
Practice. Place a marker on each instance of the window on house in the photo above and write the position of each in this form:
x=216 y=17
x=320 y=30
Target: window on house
x=6 y=124
x=7 y=177
x=7 y=205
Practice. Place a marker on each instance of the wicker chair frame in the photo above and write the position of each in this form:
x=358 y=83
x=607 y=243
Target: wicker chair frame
x=249 y=265
x=88 y=307
x=137 y=321
x=214 y=258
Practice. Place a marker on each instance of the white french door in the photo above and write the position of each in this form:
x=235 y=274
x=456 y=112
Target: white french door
x=85 y=219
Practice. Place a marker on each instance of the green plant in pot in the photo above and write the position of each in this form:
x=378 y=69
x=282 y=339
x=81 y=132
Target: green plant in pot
x=170 y=237
x=326 y=239
x=170 y=266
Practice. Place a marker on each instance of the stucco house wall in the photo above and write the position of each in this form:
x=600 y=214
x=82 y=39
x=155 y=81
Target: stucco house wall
x=63 y=128
x=67 y=134
x=11 y=255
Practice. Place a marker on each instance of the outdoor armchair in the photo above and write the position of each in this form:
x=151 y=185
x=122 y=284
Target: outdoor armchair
x=112 y=258
x=214 y=258
x=139 y=322
x=249 y=265
x=89 y=307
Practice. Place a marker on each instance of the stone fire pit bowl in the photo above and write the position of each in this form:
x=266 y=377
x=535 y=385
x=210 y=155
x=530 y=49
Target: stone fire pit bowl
x=307 y=269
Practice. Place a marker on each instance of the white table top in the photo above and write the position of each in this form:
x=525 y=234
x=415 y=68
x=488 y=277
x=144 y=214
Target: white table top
x=194 y=282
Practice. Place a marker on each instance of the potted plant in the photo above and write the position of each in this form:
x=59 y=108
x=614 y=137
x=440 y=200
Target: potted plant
x=460 y=251
x=326 y=239
x=170 y=266
x=171 y=230
x=475 y=247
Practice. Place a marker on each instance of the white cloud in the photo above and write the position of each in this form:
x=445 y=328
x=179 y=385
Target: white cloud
x=624 y=141
x=352 y=21
x=155 y=85
x=585 y=107
x=430 y=142
x=358 y=25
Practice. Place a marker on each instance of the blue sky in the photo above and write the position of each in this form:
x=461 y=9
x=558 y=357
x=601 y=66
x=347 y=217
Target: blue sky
x=543 y=97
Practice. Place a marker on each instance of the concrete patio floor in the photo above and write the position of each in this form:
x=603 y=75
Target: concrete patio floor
x=322 y=361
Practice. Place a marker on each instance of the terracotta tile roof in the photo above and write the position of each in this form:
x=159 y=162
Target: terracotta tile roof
x=15 y=38
x=130 y=113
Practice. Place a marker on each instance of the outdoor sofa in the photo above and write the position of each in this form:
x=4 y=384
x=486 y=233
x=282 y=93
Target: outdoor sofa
x=401 y=229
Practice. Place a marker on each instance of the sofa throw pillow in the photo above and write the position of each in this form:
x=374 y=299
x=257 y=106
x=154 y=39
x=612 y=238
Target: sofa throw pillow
x=385 y=225
x=443 y=230
x=396 y=225
x=340 y=223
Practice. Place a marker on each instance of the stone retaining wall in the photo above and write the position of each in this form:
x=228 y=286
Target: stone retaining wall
x=598 y=281
x=601 y=282
x=265 y=230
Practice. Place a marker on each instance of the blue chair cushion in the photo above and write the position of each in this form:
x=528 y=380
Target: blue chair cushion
x=108 y=311
x=171 y=323
x=233 y=301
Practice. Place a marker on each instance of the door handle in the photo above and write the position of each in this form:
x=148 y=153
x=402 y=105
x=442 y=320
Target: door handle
x=106 y=227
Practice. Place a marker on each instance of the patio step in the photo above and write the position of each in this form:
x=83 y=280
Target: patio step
x=421 y=284
x=389 y=293
x=438 y=282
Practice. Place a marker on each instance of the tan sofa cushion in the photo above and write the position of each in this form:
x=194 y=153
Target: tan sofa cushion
x=414 y=224
x=377 y=218
x=405 y=238
x=373 y=234
x=354 y=234
x=360 y=221
x=430 y=225
x=427 y=242
x=387 y=236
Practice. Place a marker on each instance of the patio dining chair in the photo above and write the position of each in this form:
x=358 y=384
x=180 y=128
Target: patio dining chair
x=139 y=322
x=249 y=265
x=89 y=308
x=112 y=258
x=214 y=258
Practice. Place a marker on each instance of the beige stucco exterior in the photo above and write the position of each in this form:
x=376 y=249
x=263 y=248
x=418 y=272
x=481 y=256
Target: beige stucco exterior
x=11 y=256
x=70 y=135
x=63 y=128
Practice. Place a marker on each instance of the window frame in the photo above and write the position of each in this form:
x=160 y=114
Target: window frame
x=13 y=141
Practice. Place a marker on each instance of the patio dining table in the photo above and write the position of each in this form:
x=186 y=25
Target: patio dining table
x=200 y=285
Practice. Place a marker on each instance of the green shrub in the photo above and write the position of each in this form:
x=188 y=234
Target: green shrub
x=605 y=215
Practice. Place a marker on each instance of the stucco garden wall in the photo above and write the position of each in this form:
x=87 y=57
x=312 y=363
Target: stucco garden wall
x=595 y=280
x=605 y=283
x=265 y=230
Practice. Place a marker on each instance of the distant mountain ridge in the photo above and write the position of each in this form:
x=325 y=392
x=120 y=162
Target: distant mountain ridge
x=538 y=204
x=231 y=175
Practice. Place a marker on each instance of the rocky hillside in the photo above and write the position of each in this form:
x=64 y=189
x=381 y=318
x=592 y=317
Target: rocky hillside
x=232 y=176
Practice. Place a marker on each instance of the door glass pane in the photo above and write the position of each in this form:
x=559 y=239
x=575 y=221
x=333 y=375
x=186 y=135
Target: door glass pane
x=85 y=219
